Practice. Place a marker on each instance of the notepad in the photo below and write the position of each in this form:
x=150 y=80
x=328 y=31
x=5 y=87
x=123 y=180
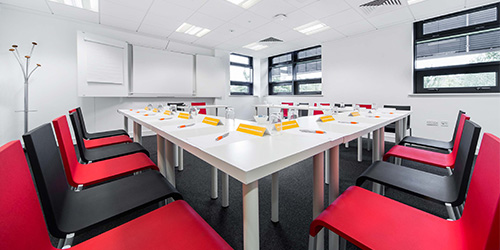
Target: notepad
x=354 y=114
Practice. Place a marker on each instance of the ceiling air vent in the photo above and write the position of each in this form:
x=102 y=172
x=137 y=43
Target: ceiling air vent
x=271 y=40
x=371 y=6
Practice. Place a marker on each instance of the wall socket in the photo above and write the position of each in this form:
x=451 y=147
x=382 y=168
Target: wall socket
x=444 y=124
x=432 y=123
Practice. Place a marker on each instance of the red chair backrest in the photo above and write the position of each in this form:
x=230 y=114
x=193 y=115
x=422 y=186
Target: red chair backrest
x=319 y=112
x=285 y=111
x=460 y=129
x=66 y=147
x=202 y=111
x=366 y=106
x=21 y=219
x=480 y=221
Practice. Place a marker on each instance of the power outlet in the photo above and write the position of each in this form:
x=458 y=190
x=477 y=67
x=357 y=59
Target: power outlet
x=432 y=123
x=444 y=124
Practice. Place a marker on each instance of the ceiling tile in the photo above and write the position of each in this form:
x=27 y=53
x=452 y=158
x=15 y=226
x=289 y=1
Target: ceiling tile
x=477 y=3
x=301 y=3
x=395 y=17
x=327 y=35
x=247 y=38
x=272 y=29
x=119 y=22
x=221 y=9
x=140 y=5
x=170 y=10
x=433 y=8
x=296 y=19
x=290 y=35
x=204 y=21
x=355 y=28
x=203 y=41
x=74 y=13
x=375 y=11
x=182 y=37
x=250 y=20
x=269 y=8
x=120 y=11
x=227 y=31
x=306 y=42
x=343 y=18
x=325 y=8
x=161 y=21
x=29 y=4
x=155 y=30
x=190 y=4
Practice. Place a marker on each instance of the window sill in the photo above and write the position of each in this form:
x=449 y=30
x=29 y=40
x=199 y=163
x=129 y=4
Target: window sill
x=296 y=95
x=454 y=94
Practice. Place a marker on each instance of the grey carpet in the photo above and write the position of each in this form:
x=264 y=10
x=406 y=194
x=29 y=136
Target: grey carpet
x=291 y=232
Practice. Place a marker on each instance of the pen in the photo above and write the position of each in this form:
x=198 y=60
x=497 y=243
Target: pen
x=185 y=126
x=222 y=136
x=312 y=131
x=348 y=122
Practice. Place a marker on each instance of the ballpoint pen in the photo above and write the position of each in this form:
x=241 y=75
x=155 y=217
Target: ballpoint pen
x=312 y=131
x=348 y=122
x=187 y=125
x=222 y=136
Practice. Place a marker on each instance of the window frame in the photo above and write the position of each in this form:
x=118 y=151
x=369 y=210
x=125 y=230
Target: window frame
x=294 y=82
x=240 y=83
x=419 y=74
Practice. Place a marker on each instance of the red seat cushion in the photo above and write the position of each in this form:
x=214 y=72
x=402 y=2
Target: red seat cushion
x=285 y=111
x=422 y=156
x=319 y=112
x=372 y=221
x=202 y=111
x=174 y=226
x=95 y=143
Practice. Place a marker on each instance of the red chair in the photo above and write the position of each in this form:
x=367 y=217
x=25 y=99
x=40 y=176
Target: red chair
x=285 y=111
x=319 y=112
x=372 y=221
x=202 y=111
x=366 y=106
x=104 y=141
x=174 y=226
x=429 y=157
x=87 y=174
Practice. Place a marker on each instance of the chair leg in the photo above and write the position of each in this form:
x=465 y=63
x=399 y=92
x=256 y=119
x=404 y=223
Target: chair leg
x=66 y=242
x=312 y=243
x=346 y=145
x=343 y=243
x=451 y=212
x=368 y=144
x=450 y=172
x=461 y=207
x=457 y=212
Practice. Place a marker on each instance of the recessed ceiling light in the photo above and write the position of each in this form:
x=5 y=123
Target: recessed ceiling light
x=244 y=3
x=92 y=5
x=255 y=46
x=312 y=27
x=410 y=2
x=192 y=30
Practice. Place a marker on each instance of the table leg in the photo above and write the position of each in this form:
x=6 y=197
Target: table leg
x=181 y=159
x=137 y=132
x=256 y=111
x=376 y=156
x=216 y=112
x=169 y=161
x=160 y=152
x=213 y=183
x=225 y=189
x=125 y=123
x=251 y=216
x=176 y=155
x=275 y=197
x=360 y=149
x=333 y=192
x=327 y=168
x=318 y=193
x=399 y=136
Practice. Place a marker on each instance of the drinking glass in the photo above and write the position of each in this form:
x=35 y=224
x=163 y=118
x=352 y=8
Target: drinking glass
x=293 y=114
x=160 y=108
x=275 y=121
x=150 y=107
x=173 y=108
x=230 y=117
x=193 y=112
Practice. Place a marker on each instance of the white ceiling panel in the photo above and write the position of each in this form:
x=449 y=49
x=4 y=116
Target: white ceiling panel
x=477 y=3
x=343 y=18
x=170 y=10
x=120 y=11
x=327 y=35
x=272 y=29
x=204 y=21
x=269 y=8
x=154 y=30
x=296 y=19
x=73 y=12
x=161 y=21
x=401 y=15
x=221 y=9
x=250 y=20
x=247 y=38
x=38 y=5
x=324 y=8
x=182 y=37
x=228 y=31
x=290 y=35
x=206 y=42
x=119 y=22
x=140 y=5
x=355 y=28
x=301 y=3
x=433 y=8
x=190 y=4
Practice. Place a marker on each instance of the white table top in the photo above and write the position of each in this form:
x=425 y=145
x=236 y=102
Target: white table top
x=248 y=158
x=301 y=107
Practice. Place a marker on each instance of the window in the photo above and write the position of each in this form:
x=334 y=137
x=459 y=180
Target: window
x=241 y=74
x=458 y=53
x=296 y=73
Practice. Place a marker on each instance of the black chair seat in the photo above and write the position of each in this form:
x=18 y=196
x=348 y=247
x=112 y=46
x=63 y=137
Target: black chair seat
x=430 y=143
x=391 y=128
x=67 y=211
x=104 y=134
x=105 y=152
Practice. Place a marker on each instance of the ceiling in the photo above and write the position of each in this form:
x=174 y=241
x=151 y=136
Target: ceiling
x=232 y=27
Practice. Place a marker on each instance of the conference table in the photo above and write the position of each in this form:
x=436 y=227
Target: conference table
x=212 y=106
x=249 y=158
x=298 y=107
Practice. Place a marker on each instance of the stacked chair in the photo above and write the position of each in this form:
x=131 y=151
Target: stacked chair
x=202 y=111
x=173 y=226
x=285 y=111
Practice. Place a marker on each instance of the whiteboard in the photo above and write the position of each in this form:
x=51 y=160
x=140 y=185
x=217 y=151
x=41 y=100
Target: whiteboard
x=162 y=73
x=102 y=66
x=211 y=76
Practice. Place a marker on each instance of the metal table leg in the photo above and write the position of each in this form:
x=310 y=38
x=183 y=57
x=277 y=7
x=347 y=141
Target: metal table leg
x=333 y=193
x=137 y=132
x=251 y=216
x=275 y=197
x=318 y=192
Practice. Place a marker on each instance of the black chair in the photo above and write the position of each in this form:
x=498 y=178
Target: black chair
x=430 y=143
x=177 y=104
x=67 y=211
x=104 y=152
x=450 y=190
x=303 y=112
x=391 y=128
x=97 y=135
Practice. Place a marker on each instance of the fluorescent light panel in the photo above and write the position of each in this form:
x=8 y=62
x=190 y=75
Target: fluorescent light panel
x=312 y=27
x=92 y=5
x=244 y=3
x=255 y=46
x=410 y=2
x=192 y=30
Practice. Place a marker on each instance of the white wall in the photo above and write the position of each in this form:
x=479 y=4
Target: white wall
x=53 y=88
